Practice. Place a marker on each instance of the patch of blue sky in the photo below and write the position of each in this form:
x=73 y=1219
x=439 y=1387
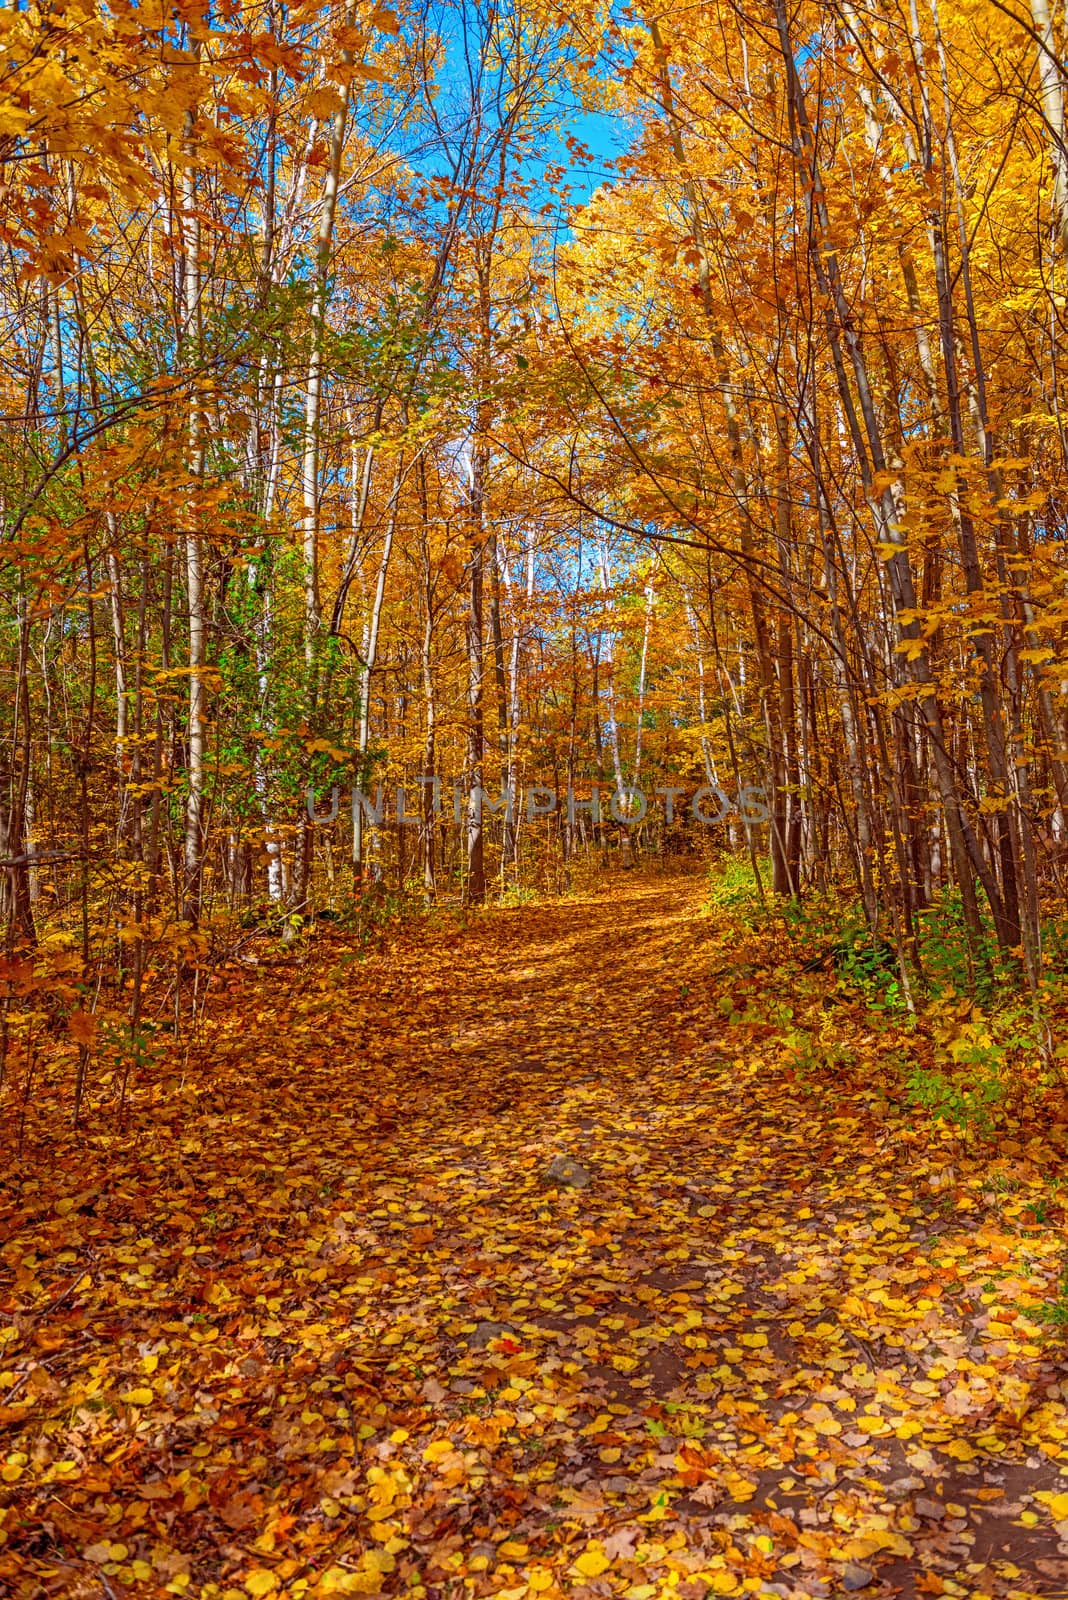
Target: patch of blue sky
x=564 y=133
x=603 y=135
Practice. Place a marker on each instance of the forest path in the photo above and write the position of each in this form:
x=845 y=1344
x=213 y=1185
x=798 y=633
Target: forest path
x=316 y=1322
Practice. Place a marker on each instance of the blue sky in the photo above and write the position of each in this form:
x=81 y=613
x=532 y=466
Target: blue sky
x=605 y=135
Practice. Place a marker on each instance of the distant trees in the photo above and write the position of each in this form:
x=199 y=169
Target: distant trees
x=333 y=454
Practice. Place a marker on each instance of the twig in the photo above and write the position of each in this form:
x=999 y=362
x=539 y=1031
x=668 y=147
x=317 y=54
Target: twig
x=32 y=857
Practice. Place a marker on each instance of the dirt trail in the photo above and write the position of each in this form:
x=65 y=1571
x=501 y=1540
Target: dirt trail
x=315 y=1322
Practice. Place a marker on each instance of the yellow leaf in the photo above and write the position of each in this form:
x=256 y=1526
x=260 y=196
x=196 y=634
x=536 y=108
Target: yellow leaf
x=599 y=1423
x=593 y=1561
x=960 y=1450
x=261 y=1582
x=873 y=1425
x=14 y=120
x=822 y=1420
x=138 y=1397
x=339 y=1580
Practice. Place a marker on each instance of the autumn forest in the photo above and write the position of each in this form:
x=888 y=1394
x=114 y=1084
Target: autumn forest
x=533 y=799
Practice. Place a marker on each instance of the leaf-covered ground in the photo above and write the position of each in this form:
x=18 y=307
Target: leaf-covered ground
x=314 y=1321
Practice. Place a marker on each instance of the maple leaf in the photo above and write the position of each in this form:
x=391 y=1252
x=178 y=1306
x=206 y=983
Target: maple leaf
x=82 y=1027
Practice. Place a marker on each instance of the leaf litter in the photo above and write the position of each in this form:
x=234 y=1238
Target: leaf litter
x=332 y=1313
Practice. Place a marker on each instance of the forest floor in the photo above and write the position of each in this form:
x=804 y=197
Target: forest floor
x=315 y=1319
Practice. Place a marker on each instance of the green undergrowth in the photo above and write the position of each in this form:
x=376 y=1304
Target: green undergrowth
x=953 y=1057
x=948 y=1030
